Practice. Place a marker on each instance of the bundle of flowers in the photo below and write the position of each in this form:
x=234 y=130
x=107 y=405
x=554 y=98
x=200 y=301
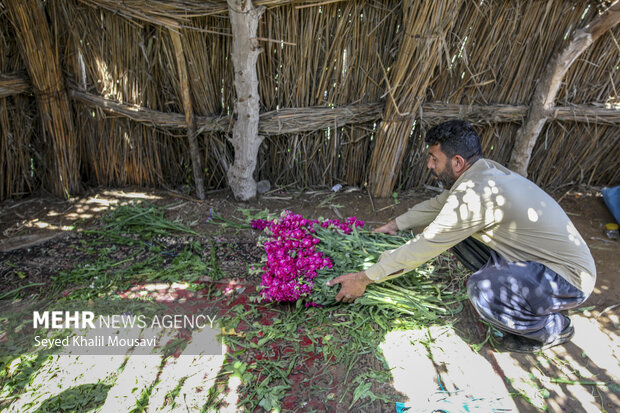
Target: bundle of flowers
x=292 y=260
x=302 y=255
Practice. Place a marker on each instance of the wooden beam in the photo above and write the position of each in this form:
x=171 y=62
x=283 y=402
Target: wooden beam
x=134 y=112
x=309 y=119
x=436 y=112
x=546 y=91
x=314 y=118
x=280 y=122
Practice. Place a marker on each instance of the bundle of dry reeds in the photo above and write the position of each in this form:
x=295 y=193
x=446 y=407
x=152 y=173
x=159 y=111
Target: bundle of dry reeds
x=211 y=77
x=587 y=152
x=37 y=47
x=171 y=13
x=17 y=160
x=426 y=25
x=120 y=61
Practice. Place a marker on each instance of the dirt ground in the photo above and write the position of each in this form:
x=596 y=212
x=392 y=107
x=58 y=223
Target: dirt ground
x=35 y=220
x=37 y=234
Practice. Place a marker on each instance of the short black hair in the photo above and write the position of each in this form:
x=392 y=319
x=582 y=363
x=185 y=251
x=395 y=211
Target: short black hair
x=456 y=137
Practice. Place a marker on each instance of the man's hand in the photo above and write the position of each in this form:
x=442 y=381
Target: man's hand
x=389 y=228
x=353 y=286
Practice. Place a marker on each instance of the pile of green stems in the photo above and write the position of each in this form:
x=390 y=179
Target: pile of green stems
x=420 y=293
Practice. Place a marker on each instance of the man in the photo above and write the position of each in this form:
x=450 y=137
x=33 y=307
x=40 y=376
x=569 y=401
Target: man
x=530 y=262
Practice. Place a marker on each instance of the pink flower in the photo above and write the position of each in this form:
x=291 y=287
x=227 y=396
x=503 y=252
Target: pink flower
x=259 y=224
x=292 y=262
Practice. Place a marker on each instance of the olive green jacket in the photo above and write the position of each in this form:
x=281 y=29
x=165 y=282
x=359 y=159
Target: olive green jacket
x=503 y=210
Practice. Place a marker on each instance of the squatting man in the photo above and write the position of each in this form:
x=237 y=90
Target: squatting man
x=529 y=261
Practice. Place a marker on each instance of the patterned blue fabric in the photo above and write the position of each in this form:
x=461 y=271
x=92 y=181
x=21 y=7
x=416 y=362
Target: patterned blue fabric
x=523 y=298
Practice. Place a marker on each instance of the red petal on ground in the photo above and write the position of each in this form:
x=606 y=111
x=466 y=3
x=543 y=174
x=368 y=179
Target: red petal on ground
x=311 y=357
x=290 y=402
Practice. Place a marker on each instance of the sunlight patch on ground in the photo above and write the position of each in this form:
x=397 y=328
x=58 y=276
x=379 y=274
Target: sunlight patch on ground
x=467 y=372
x=426 y=364
x=413 y=372
x=231 y=398
x=138 y=374
x=60 y=373
x=181 y=384
x=191 y=377
x=176 y=383
x=86 y=209
x=129 y=195
x=602 y=346
x=523 y=378
x=567 y=376
x=37 y=223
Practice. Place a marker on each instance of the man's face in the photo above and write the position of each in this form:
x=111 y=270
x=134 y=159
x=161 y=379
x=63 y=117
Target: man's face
x=440 y=166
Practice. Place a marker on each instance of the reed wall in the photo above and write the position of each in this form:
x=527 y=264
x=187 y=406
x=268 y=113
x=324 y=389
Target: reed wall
x=401 y=55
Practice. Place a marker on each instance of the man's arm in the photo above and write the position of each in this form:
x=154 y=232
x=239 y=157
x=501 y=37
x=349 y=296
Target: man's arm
x=447 y=229
x=422 y=214
x=419 y=215
x=460 y=217
x=389 y=228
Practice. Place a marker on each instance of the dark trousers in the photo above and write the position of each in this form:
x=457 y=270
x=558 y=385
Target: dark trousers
x=523 y=298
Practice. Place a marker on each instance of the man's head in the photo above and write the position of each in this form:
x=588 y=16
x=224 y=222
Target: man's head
x=453 y=147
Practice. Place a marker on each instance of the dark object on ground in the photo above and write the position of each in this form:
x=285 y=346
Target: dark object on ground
x=611 y=196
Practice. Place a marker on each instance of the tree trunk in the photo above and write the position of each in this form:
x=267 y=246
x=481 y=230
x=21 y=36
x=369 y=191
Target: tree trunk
x=43 y=64
x=189 y=114
x=245 y=140
x=547 y=89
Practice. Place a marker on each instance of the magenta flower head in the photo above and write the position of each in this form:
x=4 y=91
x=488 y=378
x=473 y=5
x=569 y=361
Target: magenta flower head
x=259 y=224
x=292 y=262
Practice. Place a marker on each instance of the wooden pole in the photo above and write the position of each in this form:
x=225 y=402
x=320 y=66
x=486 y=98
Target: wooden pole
x=43 y=64
x=244 y=19
x=189 y=114
x=546 y=91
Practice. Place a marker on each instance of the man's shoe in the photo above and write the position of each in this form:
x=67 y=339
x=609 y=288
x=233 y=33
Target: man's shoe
x=520 y=344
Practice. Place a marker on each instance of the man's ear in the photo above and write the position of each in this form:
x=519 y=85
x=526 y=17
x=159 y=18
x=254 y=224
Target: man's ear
x=458 y=164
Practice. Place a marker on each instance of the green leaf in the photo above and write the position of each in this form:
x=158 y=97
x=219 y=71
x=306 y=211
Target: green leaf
x=361 y=392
